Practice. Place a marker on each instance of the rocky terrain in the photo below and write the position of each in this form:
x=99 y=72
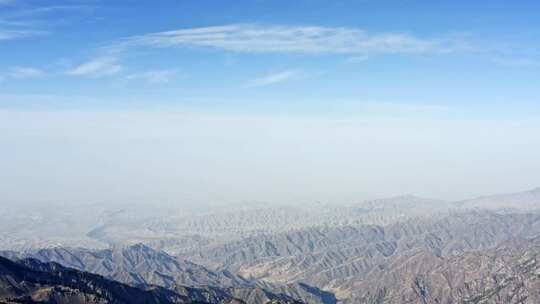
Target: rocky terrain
x=509 y=273
x=136 y=265
x=398 y=250
x=332 y=258
x=30 y=281
x=139 y=265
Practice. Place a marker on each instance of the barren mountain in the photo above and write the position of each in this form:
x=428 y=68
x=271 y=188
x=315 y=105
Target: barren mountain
x=509 y=273
x=520 y=201
x=178 y=233
x=331 y=258
x=179 y=230
x=398 y=250
x=30 y=281
x=136 y=265
x=139 y=265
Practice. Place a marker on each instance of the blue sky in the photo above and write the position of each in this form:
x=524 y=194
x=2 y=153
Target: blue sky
x=449 y=87
x=461 y=54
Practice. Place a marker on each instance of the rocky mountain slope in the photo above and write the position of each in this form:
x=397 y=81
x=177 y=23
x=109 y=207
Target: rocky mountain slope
x=136 y=265
x=139 y=265
x=509 y=273
x=331 y=258
x=30 y=281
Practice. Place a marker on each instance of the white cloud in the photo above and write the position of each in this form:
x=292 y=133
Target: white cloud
x=19 y=72
x=6 y=34
x=25 y=72
x=274 y=78
x=296 y=39
x=23 y=21
x=98 y=67
x=158 y=76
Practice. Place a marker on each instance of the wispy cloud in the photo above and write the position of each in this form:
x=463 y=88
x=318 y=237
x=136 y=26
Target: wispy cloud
x=274 y=78
x=18 y=72
x=23 y=20
x=25 y=72
x=9 y=34
x=97 y=67
x=40 y=11
x=157 y=76
x=294 y=39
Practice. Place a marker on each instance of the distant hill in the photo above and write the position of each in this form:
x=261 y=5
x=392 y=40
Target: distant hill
x=519 y=201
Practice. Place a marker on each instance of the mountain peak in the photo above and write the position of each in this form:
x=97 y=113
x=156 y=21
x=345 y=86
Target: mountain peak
x=139 y=247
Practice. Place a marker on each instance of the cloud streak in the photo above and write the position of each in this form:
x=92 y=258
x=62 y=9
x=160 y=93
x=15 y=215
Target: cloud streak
x=25 y=72
x=274 y=78
x=19 y=72
x=22 y=20
x=10 y=34
x=253 y=38
x=97 y=67
x=156 y=77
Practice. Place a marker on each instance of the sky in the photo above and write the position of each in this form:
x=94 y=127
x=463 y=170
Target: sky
x=286 y=101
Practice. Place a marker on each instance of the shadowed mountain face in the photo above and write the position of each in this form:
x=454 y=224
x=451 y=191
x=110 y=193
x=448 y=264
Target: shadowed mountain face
x=139 y=265
x=31 y=281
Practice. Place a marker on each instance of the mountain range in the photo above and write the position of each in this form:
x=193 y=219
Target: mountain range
x=399 y=250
